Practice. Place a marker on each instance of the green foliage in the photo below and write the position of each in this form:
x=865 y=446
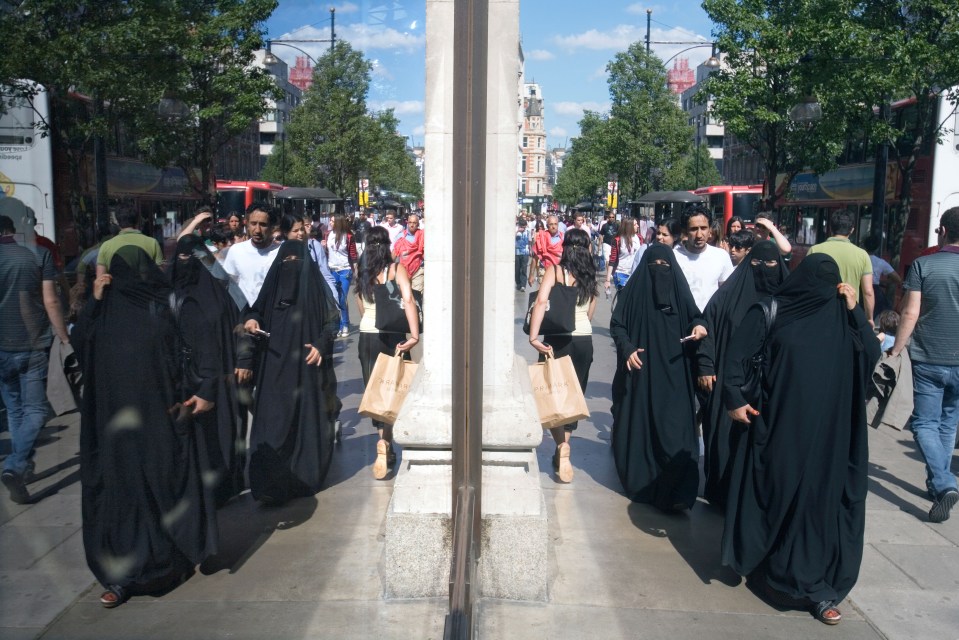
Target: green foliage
x=644 y=139
x=128 y=54
x=694 y=170
x=332 y=136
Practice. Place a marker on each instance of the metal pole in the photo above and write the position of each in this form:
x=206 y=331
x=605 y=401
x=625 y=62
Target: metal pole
x=101 y=194
x=332 y=31
x=649 y=21
x=470 y=36
x=697 y=152
x=879 y=185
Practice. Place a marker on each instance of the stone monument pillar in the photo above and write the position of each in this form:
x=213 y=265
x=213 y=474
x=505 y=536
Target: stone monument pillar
x=419 y=529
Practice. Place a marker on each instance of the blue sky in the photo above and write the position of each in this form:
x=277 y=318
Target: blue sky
x=567 y=44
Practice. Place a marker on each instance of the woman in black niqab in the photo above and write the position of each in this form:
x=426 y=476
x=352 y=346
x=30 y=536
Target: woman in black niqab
x=291 y=439
x=654 y=428
x=207 y=318
x=796 y=507
x=146 y=516
x=760 y=272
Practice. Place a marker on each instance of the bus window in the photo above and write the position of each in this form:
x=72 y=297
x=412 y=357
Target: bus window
x=262 y=195
x=16 y=123
x=786 y=221
x=717 y=205
x=864 y=226
x=230 y=201
x=806 y=234
x=745 y=204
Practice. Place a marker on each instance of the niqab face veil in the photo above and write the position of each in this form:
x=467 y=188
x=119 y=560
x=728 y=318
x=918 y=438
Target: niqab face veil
x=766 y=278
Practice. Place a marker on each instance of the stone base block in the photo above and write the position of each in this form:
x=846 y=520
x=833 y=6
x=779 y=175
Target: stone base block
x=418 y=550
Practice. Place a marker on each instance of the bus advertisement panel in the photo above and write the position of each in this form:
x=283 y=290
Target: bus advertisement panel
x=26 y=162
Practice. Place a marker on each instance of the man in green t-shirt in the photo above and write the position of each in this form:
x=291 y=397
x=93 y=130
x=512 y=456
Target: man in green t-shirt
x=855 y=268
x=128 y=220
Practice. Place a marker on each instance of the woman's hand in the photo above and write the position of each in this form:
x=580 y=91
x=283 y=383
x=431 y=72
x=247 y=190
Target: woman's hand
x=742 y=414
x=847 y=292
x=706 y=382
x=408 y=344
x=540 y=346
x=313 y=356
x=251 y=327
x=699 y=332
x=243 y=375
x=100 y=284
x=633 y=363
x=199 y=405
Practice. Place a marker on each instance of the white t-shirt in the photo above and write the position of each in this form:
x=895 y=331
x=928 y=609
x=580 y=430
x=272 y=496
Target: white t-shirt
x=395 y=232
x=248 y=266
x=704 y=271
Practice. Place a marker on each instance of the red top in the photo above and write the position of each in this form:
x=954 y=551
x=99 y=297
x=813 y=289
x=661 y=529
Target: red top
x=410 y=252
x=548 y=253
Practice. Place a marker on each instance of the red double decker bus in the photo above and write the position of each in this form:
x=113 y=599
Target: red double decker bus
x=726 y=201
x=234 y=196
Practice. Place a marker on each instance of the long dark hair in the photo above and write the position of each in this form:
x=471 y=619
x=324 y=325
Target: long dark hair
x=287 y=222
x=376 y=257
x=578 y=260
x=729 y=224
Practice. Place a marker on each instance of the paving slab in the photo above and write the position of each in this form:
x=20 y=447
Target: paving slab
x=500 y=619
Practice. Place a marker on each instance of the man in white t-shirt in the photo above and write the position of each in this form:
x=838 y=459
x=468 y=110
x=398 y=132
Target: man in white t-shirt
x=705 y=267
x=394 y=228
x=249 y=261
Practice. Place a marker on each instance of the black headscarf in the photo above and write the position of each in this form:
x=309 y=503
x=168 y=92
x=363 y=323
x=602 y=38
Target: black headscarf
x=291 y=440
x=146 y=514
x=654 y=438
x=748 y=284
x=207 y=319
x=796 y=504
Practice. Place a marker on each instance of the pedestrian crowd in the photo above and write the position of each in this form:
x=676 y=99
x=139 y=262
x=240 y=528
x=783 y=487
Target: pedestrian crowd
x=202 y=376
x=715 y=338
x=212 y=373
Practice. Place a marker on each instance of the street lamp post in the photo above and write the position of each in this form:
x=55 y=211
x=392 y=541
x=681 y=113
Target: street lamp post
x=698 y=139
x=269 y=58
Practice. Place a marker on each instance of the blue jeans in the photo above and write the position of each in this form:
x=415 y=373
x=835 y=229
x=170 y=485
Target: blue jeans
x=23 y=388
x=934 y=417
x=343 y=278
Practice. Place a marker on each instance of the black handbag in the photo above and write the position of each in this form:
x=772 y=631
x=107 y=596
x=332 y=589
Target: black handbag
x=752 y=388
x=560 y=316
x=390 y=310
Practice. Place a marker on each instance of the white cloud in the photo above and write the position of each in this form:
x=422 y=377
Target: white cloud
x=347 y=7
x=540 y=54
x=360 y=36
x=380 y=71
x=399 y=107
x=576 y=108
x=620 y=37
x=419 y=131
x=367 y=37
x=600 y=72
x=641 y=8
x=558 y=132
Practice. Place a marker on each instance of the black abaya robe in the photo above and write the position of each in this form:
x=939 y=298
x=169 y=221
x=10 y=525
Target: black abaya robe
x=654 y=426
x=207 y=318
x=146 y=516
x=796 y=507
x=291 y=440
x=747 y=285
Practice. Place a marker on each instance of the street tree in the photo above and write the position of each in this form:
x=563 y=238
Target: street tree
x=765 y=75
x=644 y=139
x=332 y=136
x=910 y=57
x=223 y=94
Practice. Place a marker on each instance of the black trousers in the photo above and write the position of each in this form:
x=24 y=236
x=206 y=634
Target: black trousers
x=580 y=350
x=522 y=271
x=370 y=346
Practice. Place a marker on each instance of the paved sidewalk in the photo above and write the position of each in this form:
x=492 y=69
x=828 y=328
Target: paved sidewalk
x=312 y=569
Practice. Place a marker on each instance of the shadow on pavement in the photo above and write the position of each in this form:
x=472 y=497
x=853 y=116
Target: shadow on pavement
x=878 y=472
x=696 y=535
x=245 y=525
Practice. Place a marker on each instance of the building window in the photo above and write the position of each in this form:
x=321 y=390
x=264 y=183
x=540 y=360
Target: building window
x=523 y=170
x=525 y=141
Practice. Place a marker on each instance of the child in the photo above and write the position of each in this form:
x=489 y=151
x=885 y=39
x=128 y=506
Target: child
x=888 y=322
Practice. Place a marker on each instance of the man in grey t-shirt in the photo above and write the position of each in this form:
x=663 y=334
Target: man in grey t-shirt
x=930 y=317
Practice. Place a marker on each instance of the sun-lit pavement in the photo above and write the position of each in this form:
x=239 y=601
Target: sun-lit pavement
x=616 y=570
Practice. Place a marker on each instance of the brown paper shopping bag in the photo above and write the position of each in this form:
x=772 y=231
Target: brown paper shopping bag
x=559 y=399
x=389 y=383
